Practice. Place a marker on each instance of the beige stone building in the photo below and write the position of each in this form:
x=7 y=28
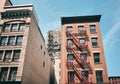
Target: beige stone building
x=24 y=58
x=82 y=54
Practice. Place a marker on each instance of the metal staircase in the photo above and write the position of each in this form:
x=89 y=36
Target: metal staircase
x=81 y=63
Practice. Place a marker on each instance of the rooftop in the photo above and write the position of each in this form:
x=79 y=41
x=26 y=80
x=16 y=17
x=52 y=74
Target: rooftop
x=80 y=19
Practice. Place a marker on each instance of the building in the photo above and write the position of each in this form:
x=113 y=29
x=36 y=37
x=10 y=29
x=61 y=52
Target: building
x=54 y=43
x=24 y=59
x=82 y=54
x=54 y=47
x=114 y=80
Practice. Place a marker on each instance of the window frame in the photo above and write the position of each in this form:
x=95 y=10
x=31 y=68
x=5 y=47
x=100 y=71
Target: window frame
x=97 y=58
x=7 y=56
x=99 y=76
x=16 y=56
x=19 y=41
x=11 y=42
x=69 y=29
x=94 y=41
x=21 y=28
x=6 y=29
x=1 y=41
x=92 y=28
x=13 y=29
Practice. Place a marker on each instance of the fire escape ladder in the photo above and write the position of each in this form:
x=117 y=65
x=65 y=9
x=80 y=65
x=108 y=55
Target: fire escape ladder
x=79 y=73
x=77 y=43
x=77 y=57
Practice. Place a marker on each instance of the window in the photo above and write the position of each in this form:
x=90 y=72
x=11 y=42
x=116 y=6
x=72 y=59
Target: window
x=3 y=40
x=43 y=64
x=11 y=40
x=94 y=41
x=80 y=29
x=85 y=74
x=92 y=28
x=41 y=46
x=21 y=26
x=70 y=56
x=71 y=77
x=82 y=40
x=14 y=27
x=13 y=73
x=96 y=57
x=16 y=55
x=6 y=28
x=19 y=40
x=7 y=55
x=69 y=29
x=99 y=76
x=1 y=54
x=3 y=74
x=69 y=41
x=84 y=56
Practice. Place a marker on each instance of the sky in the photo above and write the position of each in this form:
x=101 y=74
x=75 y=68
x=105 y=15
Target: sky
x=49 y=13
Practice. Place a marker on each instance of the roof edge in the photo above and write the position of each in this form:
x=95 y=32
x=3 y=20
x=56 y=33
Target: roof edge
x=80 y=19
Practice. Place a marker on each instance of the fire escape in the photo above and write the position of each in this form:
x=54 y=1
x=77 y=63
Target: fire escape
x=80 y=61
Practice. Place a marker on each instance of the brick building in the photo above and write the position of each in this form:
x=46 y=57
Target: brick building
x=82 y=54
x=114 y=80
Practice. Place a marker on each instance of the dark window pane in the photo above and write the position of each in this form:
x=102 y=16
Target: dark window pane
x=19 y=40
x=99 y=77
x=3 y=40
x=84 y=56
x=94 y=42
x=7 y=55
x=71 y=77
x=92 y=28
x=96 y=57
x=1 y=54
x=13 y=73
x=11 y=40
x=6 y=28
x=85 y=74
x=21 y=26
x=3 y=74
x=14 y=27
x=16 y=55
x=70 y=56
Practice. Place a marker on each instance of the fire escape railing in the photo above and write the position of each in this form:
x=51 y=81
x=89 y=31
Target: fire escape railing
x=80 y=61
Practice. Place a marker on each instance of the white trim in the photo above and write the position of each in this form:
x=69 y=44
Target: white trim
x=98 y=69
x=93 y=36
x=96 y=51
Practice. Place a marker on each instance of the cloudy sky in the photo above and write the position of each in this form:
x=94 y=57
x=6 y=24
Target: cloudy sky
x=49 y=13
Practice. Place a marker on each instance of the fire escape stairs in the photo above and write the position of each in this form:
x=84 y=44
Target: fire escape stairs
x=79 y=73
x=77 y=43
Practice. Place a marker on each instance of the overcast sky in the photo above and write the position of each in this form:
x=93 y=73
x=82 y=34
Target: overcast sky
x=50 y=11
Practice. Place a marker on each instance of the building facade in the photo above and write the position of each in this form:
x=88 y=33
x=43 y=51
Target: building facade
x=82 y=54
x=54 y=43
x=114 y=80
x=54 y=47
x=24 y=58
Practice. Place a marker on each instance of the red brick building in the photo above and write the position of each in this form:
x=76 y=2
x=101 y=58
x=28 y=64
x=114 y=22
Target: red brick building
x=82 y=54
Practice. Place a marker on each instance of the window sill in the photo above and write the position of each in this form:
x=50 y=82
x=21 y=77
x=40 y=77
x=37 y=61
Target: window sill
x=98 y=63
x=95 y=46
x=93 y=32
